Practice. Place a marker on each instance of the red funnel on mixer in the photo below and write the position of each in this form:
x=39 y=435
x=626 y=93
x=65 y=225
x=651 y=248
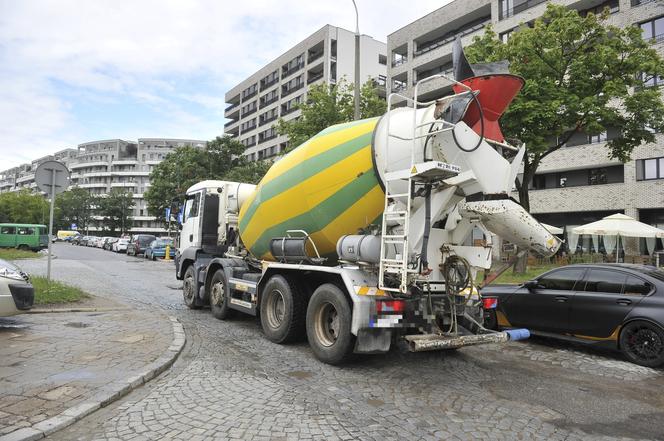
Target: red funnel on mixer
x=496 y=92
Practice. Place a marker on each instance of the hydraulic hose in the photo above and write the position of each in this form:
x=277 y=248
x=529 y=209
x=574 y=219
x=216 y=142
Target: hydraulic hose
x=479 y=142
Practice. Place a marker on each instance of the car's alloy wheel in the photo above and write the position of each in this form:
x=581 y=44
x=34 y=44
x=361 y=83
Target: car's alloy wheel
x=643 y=343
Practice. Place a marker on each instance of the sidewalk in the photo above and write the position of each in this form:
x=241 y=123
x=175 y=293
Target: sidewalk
x=58 y=367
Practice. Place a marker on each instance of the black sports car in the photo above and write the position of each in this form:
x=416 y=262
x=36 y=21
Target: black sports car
x=618 y=305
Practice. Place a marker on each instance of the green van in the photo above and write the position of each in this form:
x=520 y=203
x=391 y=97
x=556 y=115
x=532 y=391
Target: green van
x=23 y=236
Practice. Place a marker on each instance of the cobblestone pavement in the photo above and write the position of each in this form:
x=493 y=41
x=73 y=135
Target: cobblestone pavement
x=231 y=383
x=51 y=362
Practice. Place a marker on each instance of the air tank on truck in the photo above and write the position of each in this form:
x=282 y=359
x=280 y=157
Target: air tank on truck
x=360 y=238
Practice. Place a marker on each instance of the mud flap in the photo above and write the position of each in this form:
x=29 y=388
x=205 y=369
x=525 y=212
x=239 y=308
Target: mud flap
x=373 y=340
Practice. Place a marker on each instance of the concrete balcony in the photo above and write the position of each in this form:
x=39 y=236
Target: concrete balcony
x=94 y=185
x=26 y=178
x=144 y=218
x=125 y=162
x=94 y=175
x=123 y=184
x=130 y=173
x=88 y=164
x=591 y=197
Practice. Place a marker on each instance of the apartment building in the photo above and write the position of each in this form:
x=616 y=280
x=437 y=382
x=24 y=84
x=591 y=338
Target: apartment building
x=273 y=92
x=100 y=166
x=578 y=183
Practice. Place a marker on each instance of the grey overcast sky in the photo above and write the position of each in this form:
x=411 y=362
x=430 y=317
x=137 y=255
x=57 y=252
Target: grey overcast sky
x=73 y=71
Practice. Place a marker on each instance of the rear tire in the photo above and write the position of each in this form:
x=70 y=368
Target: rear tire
x=23 y=247
x=220 y=296
x=283 y=310
x=328 y=325
x=189 y=291
x=642 y=343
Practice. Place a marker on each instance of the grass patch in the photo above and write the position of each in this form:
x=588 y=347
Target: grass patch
x=14 y=254
x=532 y=271
x=57 y=292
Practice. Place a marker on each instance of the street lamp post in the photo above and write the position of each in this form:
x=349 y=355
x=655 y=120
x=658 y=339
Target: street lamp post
x=356 y=114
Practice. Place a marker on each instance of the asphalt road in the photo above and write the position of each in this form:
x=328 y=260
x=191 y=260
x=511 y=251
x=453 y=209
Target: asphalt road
x=231 y=383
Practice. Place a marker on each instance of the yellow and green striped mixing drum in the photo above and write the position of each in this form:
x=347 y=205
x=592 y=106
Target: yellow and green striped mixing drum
x=327 y=187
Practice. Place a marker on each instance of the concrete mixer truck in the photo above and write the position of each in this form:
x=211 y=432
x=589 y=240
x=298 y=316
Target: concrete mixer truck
x=360 y=237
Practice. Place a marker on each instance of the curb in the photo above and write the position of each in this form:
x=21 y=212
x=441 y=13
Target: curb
x=115 y=391
x=56 y=310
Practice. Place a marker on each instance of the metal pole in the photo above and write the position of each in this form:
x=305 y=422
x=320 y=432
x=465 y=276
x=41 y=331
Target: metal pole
x=357 y=64
x=50 y=226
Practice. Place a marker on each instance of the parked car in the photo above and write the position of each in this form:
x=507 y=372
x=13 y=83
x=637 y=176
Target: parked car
x=157 y=248
x=101 y=241
x=91 y=242
x=84 y=241
x=620 y=306
x=16 y=292
x=138 y=244
x=121 y=245
x=108 y=244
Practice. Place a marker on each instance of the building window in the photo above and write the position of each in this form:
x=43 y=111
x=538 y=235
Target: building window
x=651 y=80
x=382 y=59
x=596 y=139
x=508 y=8
x=647 y=169
x=653 y=29
x=576 y=178
x=504 y=36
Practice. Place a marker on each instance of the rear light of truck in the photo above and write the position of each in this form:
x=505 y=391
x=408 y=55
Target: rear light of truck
x=490 y=302
x=383 y=306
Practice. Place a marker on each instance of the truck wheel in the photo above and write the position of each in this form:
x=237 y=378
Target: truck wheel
x=328 y=325
x=219 y=296
x=282 y=310
x=189 y=288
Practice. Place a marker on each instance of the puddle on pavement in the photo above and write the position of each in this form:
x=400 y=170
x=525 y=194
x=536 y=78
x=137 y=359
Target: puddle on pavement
x=300 y=375
x=375 y=403
x=11 y=326
x=77 y=325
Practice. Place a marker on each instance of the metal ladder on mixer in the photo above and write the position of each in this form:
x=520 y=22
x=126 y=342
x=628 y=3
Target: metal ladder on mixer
x=417 y=172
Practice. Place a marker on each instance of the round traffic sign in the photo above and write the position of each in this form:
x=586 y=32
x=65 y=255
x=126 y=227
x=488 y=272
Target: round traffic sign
x=44 y=177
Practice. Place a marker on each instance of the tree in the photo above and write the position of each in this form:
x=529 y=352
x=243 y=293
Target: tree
x=251 y=172
x=24 y=207
x=187 y=165
x=581 y=75
x=74 y=206
x=327 y=105
x=116 y=210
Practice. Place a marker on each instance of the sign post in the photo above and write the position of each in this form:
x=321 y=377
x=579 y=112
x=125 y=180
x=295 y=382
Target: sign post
x=51 y=177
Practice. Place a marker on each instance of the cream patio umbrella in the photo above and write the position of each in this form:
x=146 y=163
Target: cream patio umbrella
x=618 y=225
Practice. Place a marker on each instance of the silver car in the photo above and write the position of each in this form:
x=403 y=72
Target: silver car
x=16 y=292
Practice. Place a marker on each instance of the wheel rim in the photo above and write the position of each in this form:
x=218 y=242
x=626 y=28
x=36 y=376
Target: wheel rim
x=276 y=309
x=188 y=289
x=217 y=296
x=644 y=343
x=327 y=324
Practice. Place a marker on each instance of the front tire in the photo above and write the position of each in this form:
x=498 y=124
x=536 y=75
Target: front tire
x=189 y=291
x=642 y=343
x=219 y=296
x=282 y=310
x=328 y=325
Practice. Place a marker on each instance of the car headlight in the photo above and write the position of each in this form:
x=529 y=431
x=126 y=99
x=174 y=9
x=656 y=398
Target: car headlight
x=10 y=273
